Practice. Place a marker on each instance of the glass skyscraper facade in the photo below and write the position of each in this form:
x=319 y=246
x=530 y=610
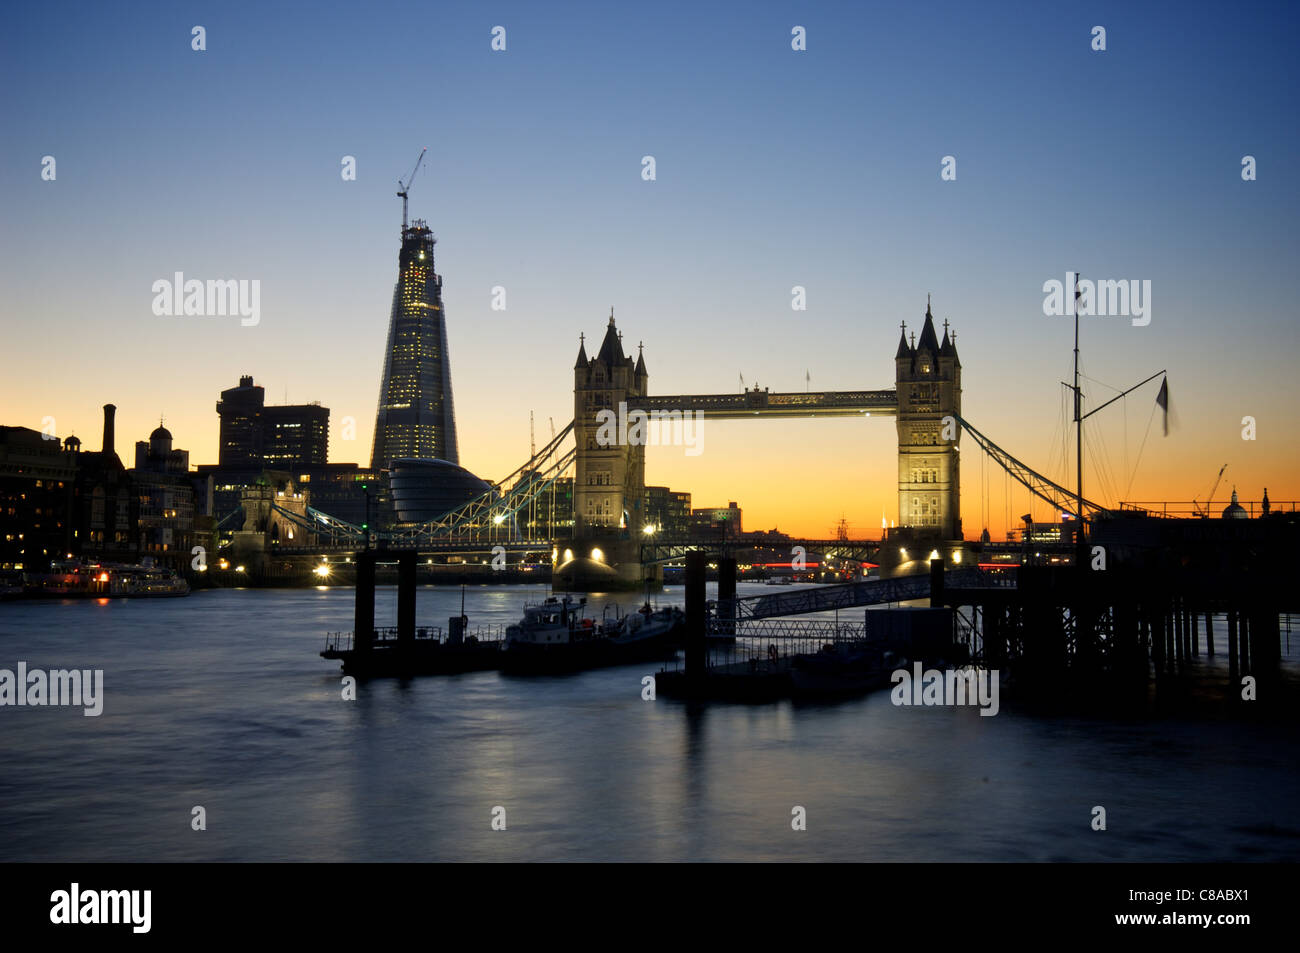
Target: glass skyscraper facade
x=415 y=417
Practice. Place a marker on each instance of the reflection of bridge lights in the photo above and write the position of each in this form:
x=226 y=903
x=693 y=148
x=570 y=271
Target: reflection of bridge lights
x=597 y=555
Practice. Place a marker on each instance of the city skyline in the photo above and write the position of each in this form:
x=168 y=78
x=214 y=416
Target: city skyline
x=763 y=184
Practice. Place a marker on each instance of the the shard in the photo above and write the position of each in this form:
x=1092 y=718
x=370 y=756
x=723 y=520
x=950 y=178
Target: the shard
x=416 y=418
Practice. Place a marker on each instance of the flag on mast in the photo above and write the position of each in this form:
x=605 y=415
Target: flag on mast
x=1162 y=401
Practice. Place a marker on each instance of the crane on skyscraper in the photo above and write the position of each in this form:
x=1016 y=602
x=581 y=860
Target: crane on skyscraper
x=404 y=189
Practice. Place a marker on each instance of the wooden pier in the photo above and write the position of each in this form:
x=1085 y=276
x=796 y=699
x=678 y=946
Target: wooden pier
x=1166 y=594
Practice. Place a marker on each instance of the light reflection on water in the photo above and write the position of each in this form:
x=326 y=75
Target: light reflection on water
x=221 y=700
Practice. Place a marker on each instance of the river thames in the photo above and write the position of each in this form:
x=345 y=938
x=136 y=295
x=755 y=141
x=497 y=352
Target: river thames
x=220 y=700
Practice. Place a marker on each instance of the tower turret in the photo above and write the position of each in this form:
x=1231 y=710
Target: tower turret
x=928 y=380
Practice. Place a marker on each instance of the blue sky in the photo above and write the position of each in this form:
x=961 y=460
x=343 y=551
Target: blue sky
x=774 y=168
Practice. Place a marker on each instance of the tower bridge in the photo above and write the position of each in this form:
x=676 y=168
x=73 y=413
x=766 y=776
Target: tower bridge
x=609 y=476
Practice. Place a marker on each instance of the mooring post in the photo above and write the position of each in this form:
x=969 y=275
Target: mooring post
x=1156 y=632
x=936 y=583
x=1232 y=650
x=1244 y=638
x=363 y=625
x=1209 y=631
x=727 y=594
x=1196 y=633
x=406 y=596
x=696 y=567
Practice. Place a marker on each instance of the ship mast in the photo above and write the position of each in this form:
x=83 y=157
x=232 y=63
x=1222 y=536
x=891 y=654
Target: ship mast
x=1079 y=418
x=1078 y=437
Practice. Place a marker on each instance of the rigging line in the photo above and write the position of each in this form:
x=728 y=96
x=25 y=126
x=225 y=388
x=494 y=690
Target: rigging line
x=1091 y=455
x=1133 y=475
x=1085 y=377
x=1102 y=450
x=1095 y=451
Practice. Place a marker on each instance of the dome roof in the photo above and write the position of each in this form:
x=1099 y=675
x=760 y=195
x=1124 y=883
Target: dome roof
x=1234 y=510
x=161 y=433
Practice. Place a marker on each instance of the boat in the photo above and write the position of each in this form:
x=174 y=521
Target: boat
x=668 y=623
x=146 y=582
x=79 y=578
x=427 y=651
x=555 y=636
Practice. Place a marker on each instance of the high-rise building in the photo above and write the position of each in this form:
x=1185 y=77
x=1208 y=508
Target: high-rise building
x=285 y=436
x=415 y=418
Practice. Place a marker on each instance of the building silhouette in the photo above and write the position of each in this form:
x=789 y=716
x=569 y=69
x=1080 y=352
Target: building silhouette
x=415 y=417
x=284 y=436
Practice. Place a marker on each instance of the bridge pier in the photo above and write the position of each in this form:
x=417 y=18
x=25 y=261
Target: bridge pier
x=603 y=563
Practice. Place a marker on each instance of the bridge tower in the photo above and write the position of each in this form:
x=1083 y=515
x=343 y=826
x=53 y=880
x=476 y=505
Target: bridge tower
x=928 y=378
x=609 y=473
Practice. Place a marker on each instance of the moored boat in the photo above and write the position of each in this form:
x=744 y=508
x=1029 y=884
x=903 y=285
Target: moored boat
x=555 y=636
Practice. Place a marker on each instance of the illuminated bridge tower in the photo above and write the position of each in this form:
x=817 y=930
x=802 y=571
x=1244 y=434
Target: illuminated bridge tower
x=415 y=416
x=609 y=475
x=928 y=377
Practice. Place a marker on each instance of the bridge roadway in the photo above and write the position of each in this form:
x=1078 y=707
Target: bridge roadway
x=849 y=595
x=667 y=550
x=762 y=403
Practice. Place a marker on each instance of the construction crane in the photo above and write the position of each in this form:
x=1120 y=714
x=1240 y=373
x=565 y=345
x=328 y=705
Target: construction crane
x=1209 y=499
x=403 y=189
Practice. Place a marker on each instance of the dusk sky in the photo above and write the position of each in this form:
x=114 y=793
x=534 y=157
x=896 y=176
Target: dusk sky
x=774 y=168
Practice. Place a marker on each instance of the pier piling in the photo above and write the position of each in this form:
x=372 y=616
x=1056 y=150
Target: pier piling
x=696 y=567
x=364 y=622
x=936 y=583
x=406 y=596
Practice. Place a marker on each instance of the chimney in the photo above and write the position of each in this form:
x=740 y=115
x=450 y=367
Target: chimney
x=109 y=411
